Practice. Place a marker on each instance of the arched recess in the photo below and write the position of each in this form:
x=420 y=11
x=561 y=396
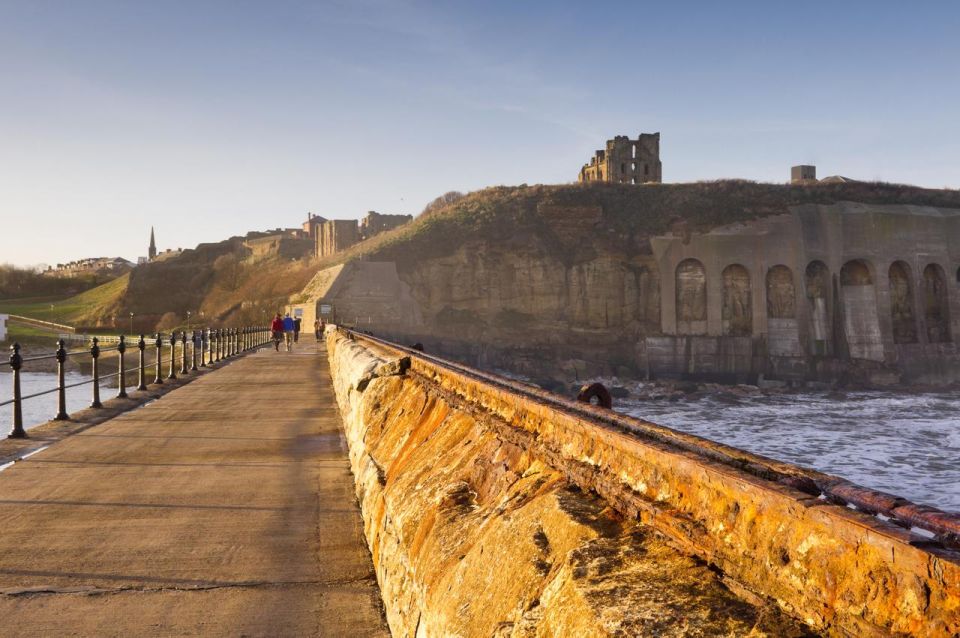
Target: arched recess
x=861 y=325
x=936 y=311
x=691 y=298
x=781 y=294
x=737 y=312
x=901 y=303
x=819 y=294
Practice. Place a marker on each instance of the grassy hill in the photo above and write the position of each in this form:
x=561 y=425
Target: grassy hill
x=218 y=283
x=630 y=212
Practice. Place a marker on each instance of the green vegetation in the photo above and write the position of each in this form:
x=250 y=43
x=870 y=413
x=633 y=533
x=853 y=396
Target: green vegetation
x=630 y=213
x=19 y=282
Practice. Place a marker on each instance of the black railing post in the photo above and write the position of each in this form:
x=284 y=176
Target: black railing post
x=61 y=382
x=95 y=358
x=159 y=344
x=203 y=347
x=233 y=342
x=219 y=339
x=122 y=376
x=193 y=351
x=142 y=375
x=173 y=356
x=184 y=368
x=213 y=346
x=16 y=362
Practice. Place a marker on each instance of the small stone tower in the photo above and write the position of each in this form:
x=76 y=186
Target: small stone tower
x=803 y=174
x=626 y=161
x=152 y=251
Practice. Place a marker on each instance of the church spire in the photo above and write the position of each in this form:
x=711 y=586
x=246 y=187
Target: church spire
x=152 y=251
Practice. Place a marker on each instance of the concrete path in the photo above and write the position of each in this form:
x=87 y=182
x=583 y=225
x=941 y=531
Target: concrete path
x=226 y=508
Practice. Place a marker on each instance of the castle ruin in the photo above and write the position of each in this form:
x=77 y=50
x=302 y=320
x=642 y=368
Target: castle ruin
x=626 y=161
x=335 y=235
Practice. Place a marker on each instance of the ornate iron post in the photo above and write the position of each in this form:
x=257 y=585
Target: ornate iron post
x=184 y=368
x=95 y=358
x=159 y=344
x=16 y=362
x=173 y=356
x=193 y=351
x=142 y=375
x=203 y=347
x=218 y=338
x=122 y=376
x=61 y=382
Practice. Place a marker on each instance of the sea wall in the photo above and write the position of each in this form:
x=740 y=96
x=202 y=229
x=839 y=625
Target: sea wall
x=489 y=512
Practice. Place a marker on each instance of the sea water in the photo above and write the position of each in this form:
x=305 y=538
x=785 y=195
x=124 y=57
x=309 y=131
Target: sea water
x=41 y=409
x=905 y=444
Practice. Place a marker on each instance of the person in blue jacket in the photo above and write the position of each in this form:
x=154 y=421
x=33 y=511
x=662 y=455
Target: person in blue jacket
x=288 y=327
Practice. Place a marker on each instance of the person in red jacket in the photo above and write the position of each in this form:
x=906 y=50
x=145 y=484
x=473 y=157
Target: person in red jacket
x=277 y=329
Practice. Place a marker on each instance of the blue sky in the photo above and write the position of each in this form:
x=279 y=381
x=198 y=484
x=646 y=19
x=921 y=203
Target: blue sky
x=208 y=119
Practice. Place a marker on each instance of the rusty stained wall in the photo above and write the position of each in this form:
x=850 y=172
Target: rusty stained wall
x=465 y=494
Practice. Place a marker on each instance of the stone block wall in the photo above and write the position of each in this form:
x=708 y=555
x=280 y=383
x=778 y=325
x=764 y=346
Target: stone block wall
x=490 y=512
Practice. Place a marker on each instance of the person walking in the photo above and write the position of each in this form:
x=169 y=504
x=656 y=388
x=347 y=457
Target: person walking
x=276 y=330
x=288 y=328
x=296 y=329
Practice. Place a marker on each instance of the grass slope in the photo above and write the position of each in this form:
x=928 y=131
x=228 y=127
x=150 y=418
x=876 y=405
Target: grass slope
x=510 y=213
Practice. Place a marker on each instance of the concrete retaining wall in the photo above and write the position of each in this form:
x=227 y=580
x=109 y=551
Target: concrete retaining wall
x=489 y=513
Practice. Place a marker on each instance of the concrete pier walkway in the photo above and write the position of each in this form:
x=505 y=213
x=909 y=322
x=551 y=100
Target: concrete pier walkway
x=226 y=508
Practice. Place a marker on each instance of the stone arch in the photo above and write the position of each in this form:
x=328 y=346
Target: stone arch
x=819 y=296
x=858 y=299
x=737 y=310
x=691 y=284
x=901 y=303
x=856 y=272
x=936 y=311
x=781 y=293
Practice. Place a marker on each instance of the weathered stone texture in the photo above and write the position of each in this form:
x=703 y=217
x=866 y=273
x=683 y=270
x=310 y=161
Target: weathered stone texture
x=485 y=509
x=475 y=535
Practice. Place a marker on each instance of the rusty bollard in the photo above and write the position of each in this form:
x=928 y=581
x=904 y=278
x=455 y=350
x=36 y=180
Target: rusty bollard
x=596 y=391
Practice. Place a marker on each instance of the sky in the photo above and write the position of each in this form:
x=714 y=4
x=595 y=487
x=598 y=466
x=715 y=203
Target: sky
x=209 y=119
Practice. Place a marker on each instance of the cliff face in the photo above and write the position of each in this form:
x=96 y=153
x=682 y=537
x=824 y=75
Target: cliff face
x=697 y=279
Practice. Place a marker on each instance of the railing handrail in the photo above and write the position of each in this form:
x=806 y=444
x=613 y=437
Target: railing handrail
x=214 y=345
x=41 y=322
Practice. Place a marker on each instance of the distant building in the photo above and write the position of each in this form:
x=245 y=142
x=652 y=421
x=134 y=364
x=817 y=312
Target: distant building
x=626 y=161
x=803 y=174
x=152 y=250
x=334 y=235
x=312 y=224
x=103 y=266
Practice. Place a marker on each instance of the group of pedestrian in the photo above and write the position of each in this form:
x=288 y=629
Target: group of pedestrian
x=287 y=329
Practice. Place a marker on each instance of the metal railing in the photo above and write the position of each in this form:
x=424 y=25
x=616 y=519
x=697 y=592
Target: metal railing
x=199 y=349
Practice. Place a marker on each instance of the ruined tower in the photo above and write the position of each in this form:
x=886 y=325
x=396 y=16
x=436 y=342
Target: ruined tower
x=626 y=161
x=152 y=250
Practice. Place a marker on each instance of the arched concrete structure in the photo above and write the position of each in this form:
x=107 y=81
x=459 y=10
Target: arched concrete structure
x=737 y=310
x=936 y=304
x=691 y=287
x=858 y=299
x=902 y=305
x=819 y=289
x=783 y=333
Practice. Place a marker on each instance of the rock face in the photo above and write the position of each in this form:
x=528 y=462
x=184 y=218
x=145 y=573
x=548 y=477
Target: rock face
x=573 y=282
x=490 y=515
